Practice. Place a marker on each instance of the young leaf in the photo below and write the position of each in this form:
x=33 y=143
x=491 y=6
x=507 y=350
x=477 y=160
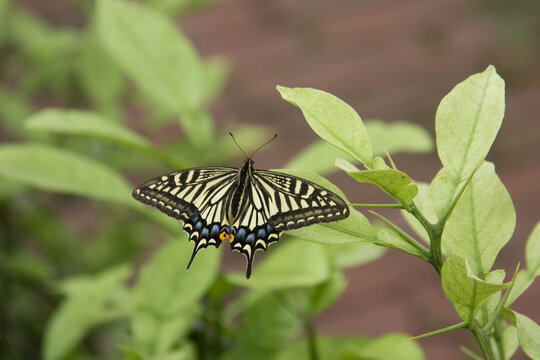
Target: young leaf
x=153 y=52
x=86 y=123
x=166 y=295
x=482 y=221
x=333 y=120
x=464 y=289
x=388 y=347
x=98 y=300
x=395 y=183
x=59 y=170
x=422 y=201
x=468 y=120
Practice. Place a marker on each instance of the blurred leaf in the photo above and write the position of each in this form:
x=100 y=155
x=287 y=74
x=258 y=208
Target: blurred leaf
x=395 y=183
x=37 y=40
x=215 y=72
x=14 y=109
x=98 y=76
x=328 y=348
x=292 y=263
x=388 y=347
x=532 y=251
x=525 y=278
x=467 y=122
x=354 y=254
x=97 y=300
x=59 y=170
x=269 y=323
x=333 y=120
x=324 y=295
x=5 y=12
x=464 y=289
x=398 y=136
x=482 y=221
x=528 y=333
x=250 y=137
x=86 y=123
x=509 y=340
x=24 y=267
x=167 y=295
x=199 y=127
x=153 y=52
x=320 y=156
x=179 y=7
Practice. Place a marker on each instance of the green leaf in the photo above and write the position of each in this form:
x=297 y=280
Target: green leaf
x=292 y=263
x=509 y=340
x=320 y=156
x=59 y=170
x=354 y=254
x=14 y=109
x=166 y=295
x=98 y=299
x=199 y=127
x=528 y=333
x=464 y=289
x=482 y=221
x=98 y=75
x=326 y=294
x=328 y=348
x=468 y=120
x=352 y=229
x=86 y=123
x=153 y=52
x=395 y=183
x=388 y=347
x=333 y=120
x=269 y=323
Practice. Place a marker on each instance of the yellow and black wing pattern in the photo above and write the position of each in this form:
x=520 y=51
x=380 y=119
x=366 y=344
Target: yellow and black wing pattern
x=246 y=207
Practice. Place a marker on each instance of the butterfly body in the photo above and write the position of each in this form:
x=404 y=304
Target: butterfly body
x=246 y=207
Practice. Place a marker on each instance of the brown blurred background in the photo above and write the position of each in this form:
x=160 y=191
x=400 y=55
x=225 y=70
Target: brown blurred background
x=391 y=60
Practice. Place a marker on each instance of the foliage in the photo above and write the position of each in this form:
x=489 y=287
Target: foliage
x=100 y=290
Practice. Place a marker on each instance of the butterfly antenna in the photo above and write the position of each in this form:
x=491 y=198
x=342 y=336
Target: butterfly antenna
x=263 y=145
x=242 y=150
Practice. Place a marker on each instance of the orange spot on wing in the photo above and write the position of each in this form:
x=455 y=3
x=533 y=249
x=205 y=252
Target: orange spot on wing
x=231 y=237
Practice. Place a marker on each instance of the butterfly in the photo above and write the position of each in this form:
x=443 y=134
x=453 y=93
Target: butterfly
x=247 y=207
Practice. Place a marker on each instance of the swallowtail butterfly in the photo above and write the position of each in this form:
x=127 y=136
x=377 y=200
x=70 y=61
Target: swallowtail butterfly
x=248 y=208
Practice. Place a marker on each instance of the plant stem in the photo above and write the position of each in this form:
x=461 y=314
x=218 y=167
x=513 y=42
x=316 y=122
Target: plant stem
x=461 y=325
x=482 y=341
x=311 y=340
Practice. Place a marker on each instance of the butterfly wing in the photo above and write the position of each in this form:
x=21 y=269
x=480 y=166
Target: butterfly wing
x=196 y=196
x=275 y=202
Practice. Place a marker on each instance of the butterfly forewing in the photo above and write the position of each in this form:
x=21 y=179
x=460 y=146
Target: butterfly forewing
x=294 y=202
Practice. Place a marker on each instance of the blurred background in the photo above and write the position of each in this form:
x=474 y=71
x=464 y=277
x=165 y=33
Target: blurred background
x=390 y=60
